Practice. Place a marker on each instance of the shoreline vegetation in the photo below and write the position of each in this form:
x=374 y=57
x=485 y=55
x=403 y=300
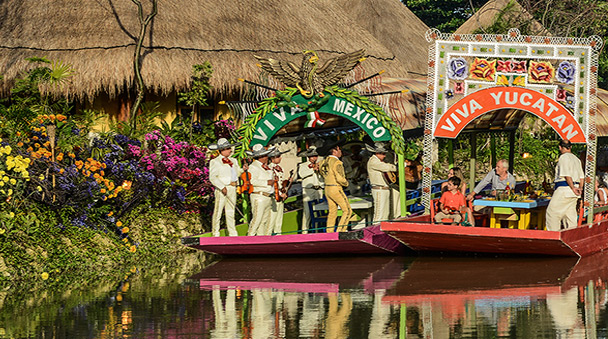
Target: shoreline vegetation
x=78 y=204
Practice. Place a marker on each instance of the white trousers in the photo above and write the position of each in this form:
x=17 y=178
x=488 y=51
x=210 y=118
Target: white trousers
x=561 y=207
x=308 y=194
x=260 y=210
x=275 y=224
x=396 y=203
x=225 y=203
x=382 y=204
x=225 y=317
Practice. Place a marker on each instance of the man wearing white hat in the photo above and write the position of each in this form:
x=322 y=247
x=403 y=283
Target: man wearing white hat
x=275 y=225
x=224 y=171
x=382 y=193
x=262 y=180
x=312 y=182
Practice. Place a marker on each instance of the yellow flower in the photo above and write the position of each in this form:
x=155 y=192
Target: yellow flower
x=2 y=231
x=125 y=240
x=10 y=192
x=118 y=223
x=39 y=189
x=125 y=230
x=132 y=249
x=6 y=179
x=11 y=215
x=110 y=214
x=44 y=276
x=13 y=181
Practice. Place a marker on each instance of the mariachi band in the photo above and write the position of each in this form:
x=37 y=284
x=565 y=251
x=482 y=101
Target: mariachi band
x=326 y=172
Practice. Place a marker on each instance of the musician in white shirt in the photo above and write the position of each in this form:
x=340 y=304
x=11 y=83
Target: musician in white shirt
x=312 y=183
x=275 y=225
x=223 y=174
x=382 y=193
x=262 y=180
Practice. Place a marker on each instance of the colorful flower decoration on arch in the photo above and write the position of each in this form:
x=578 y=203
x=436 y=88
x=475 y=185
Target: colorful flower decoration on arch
x=457 y=69
x=519 y=66
x=505 y=66
x=566 y=72
x=541 y=71
x=483 y=69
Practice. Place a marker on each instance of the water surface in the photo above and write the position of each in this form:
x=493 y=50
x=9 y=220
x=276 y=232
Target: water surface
x=367 y=297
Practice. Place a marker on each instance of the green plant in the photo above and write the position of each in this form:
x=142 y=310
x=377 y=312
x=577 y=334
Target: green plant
x=197 y=95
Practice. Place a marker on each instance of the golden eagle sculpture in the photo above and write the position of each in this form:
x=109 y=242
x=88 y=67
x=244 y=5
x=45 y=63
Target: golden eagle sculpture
x=308 y=78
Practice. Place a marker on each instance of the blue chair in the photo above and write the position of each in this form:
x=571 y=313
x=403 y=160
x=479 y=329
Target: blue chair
x=318 y=219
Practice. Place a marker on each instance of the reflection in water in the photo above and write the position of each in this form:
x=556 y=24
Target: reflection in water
x=333 y=298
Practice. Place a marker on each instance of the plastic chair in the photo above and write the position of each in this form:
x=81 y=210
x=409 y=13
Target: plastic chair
x=318 y=219
x=435 y=209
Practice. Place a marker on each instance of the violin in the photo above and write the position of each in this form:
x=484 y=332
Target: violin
x=246 y=186
x=277 y=191
x=287 y=184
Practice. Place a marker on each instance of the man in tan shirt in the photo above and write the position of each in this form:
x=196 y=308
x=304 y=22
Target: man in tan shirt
x=332 y=170
x=384 y=197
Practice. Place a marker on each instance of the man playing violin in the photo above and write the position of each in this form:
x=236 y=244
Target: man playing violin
x=262 y=179
x=382 y=193
x=275 y=224
x=223 y=174
x=312 y=183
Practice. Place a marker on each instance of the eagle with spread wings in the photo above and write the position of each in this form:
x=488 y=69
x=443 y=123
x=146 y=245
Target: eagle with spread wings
x=308 y=78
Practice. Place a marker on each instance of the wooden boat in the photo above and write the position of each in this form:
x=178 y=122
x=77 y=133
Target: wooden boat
x=307 y=275
x=421 y=235
x=367 y=241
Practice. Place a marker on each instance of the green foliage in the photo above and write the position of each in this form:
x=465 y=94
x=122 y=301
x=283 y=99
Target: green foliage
x=138 y=124
x=197 y=95
x=445 y=15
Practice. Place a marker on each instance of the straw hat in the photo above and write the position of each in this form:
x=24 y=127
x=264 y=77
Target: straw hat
x=378 y=147
x=310 y=152
x=259 y=151
x=325 y=149
x=276 y=152
x=222 y=144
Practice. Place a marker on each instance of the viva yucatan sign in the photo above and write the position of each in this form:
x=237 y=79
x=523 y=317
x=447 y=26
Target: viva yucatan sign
x=310 y=92
x=553 y=78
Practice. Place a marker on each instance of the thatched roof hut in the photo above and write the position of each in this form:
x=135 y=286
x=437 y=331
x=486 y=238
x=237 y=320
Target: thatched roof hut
x=396 y=27
x=510 y=10
x=98 y=39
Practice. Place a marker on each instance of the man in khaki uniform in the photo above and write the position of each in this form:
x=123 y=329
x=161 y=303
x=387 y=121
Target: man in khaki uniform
x=381 y=192
x=332 y=170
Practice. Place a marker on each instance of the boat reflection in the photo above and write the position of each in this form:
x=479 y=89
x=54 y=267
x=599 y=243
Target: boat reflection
x=297 y=297
x=447 y=297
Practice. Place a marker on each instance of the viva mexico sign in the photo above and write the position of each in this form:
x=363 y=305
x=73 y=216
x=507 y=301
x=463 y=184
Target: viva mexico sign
x=486 y=100
x=266 y=128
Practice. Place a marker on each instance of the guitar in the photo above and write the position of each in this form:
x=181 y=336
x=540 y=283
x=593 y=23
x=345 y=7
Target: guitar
x=392 y=179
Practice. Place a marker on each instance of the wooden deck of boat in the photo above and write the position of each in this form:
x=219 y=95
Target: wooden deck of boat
x=422 y=236
x=368 y=241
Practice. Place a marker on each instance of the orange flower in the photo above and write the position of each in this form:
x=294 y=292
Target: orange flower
x=127 y=184
x=52 y=117
x=20 y=144
x=78 y=164
x=72 y=155
x=119 y=223
x=34 y=138
x=132 y=249
x=59 y=157
x=61 y=171
x=61 y=117
x=125 y=230
x=483 y=69
x=542 y=71
x=111 y=213
x=103 y=190
x=18 y=134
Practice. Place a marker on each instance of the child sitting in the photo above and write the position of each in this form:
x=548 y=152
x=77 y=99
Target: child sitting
x=601 y=192
x=452 y=204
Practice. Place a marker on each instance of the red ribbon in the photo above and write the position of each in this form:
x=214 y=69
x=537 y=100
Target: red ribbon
x=278 y=169
x=266 y=167
x=227 y=161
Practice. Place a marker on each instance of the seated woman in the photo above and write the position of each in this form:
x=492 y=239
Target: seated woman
x=452 y=204
x=455 y=172
x=601 y=192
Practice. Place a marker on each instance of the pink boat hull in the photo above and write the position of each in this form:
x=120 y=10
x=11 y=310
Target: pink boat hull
x=367 y=241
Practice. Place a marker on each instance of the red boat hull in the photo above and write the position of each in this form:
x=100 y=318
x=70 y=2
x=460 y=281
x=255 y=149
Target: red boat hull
x=422 y=236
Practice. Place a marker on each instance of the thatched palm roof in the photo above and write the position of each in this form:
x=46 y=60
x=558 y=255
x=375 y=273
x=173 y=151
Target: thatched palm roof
x=98 y=39
x=396 y=27
x=511 y=11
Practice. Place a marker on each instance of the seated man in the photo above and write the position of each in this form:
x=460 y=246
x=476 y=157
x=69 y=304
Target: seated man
x=499 y=177
x=452 y=204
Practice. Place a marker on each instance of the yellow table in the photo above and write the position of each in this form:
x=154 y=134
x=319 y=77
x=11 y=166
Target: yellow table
x=518 y=213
